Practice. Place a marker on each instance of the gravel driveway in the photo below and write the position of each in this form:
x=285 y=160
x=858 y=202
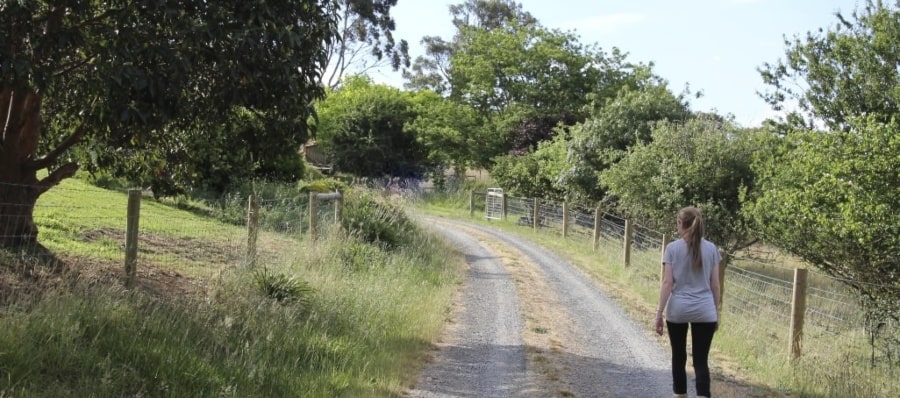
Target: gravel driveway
x=601 y=352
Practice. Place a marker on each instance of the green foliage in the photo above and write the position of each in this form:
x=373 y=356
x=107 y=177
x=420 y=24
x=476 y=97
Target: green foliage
x=522 y=79
x=534 y=175
x=283 y=288
x=702 y=162
x=366 y=29
x=152 y=81
x=218 y=159
x=432 y=71
x=528 y=65
x=614 y=126
x=323 y=185
x=374 y=220
x=453 y=133
x=833 y=199
x=526 y=79
x=845 y=72
x=361 y=127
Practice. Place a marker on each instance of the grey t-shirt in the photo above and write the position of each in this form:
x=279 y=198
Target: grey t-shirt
x=691 y=299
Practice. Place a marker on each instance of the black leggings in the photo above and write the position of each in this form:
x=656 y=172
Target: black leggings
x=701 y=339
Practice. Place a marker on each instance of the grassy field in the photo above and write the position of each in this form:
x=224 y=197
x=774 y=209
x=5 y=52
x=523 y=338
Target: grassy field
x=326 y=318
x=751 y=349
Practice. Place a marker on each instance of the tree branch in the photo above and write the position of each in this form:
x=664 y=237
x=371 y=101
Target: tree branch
x=51 y=157
x=5 y=111
x=65 y=171
x=72 y=66
x=20 y=104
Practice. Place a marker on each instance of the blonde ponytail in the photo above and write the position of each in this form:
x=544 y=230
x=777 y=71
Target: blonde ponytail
x=692 y=222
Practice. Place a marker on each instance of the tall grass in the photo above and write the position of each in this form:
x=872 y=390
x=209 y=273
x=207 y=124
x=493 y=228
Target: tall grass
x=343 y=318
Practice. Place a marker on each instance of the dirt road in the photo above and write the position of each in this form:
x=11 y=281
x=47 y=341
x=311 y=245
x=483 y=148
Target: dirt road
x=529 y=324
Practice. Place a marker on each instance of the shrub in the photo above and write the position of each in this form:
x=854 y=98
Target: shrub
x=374 y=220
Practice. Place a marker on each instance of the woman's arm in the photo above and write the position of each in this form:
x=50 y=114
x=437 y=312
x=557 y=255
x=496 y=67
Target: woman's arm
x=665 y=291
x=716 y=290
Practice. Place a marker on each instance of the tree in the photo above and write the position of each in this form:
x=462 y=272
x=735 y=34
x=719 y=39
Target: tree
x=433 y=70
x=451 y=132
x=362 y=127
x=833 y=199
x=366 y=40
x=527 y=80
x=543 y=70
x=535 y=174
x=701 y=162
x=217 y=160
x=125 y=77
x=613 y=127
x=846 y=72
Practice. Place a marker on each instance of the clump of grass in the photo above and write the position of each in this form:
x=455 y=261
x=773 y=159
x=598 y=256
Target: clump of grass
x=282 y=287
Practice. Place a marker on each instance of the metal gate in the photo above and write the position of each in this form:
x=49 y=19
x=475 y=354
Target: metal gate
x=493 y=208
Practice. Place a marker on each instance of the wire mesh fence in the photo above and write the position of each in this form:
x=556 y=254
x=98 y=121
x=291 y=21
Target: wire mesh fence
x=757 y=285
x=185 y=241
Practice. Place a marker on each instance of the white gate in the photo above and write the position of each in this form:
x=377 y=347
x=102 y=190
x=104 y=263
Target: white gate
x=493 y=208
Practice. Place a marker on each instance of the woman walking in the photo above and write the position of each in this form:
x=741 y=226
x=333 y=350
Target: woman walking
x=690 y=295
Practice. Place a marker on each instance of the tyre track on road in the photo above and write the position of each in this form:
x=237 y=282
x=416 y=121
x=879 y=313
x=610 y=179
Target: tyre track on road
x=482 y=354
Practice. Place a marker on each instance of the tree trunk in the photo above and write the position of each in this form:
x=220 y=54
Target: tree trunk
x=20 y=124
x=17 y=214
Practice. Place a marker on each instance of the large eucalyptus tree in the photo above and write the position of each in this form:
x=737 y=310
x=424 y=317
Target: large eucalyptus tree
x=366 y=40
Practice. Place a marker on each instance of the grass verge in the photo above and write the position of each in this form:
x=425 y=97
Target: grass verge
x=338 y=318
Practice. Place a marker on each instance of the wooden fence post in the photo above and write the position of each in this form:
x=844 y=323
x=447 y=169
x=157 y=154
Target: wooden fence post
x=313 y=215
x=504 y=204
x=598 y=214
x=662 y=254
x=339 y=209
x=723 y=267
x=314 y=199
x=252 y=230
x=131 y=236
x=798 y=310
x=565 y=219
x=536 y=214
x=629 y=230
x=472 y=203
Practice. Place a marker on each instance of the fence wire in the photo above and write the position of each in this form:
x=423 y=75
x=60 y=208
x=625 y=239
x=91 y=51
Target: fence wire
x=757 y=284
x=187 y=243
x=192 y=242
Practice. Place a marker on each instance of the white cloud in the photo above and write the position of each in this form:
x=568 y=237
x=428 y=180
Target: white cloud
x=607 y=23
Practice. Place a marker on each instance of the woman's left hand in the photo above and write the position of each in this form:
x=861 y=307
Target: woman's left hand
x=659 y=325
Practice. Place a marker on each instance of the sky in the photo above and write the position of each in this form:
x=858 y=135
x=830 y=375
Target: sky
x=711 y=46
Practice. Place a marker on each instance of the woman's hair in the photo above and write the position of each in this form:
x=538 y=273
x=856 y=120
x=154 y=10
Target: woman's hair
x=692 y=222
